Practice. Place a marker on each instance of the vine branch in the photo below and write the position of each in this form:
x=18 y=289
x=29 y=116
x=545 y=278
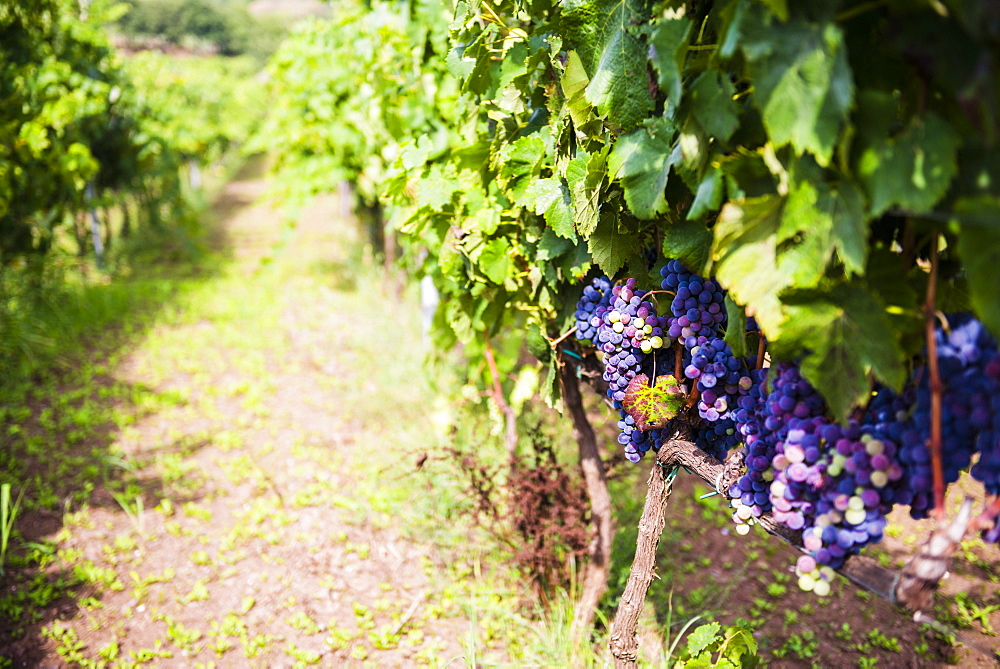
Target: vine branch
x=937 y=468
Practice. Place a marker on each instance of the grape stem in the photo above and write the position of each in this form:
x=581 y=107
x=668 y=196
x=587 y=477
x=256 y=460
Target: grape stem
x=761 y=348
x=937 y=469
x=556 y=342
x=678 y=362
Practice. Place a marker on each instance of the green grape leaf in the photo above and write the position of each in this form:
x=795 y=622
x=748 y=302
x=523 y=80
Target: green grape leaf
x=669 y=43
x=551 y=390
x=708 y=196
x=736 y=327
x=578 y=262
x=778 y=7
x=460 y=321
x=437 y=187
x=450 y=259
x=912 y=169
x=574 y=82
x=830 y=215
x=550 y=197
x=740 y=646
x=539 y=345
x=585 y=176
x=702 y=637
x=609 y=39
x=712 y=105
x=609 y=246
x=733 y=15
x=979 y=248
x=642 y=161
x=745 y=254
x=518 y=163
x=653 y=406
x=802 y=81
x=842 y=335
x=458 y=65
x=494 y=260
x=689 y=242
x=559 y=214
x=552 y=246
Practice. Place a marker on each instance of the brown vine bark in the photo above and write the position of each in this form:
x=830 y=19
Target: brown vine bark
x=623 y=640
x=595 y=578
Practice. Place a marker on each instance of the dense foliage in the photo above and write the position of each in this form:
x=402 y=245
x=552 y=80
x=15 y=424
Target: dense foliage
x=756 y=141
x=80 y=128
x=347 y=93
x=58 y=95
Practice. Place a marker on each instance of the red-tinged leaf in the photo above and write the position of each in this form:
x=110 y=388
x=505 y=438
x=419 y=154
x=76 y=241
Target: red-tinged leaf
x=653 y=406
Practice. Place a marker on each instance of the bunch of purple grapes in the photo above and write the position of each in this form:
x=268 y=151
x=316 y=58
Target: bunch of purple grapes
x=628 y=332
x=721 y=377
x=590 y=309
x=698 y=303
x=857 y=479
x=764 y=421
x=987 y=469
x=969 y=368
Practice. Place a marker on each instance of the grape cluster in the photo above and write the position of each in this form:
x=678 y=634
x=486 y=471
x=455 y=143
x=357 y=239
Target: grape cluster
x=764 y=423
x=969 y=368
x=697 y=317
x=590 y=309
x=628 y=332
x=721 y=377
x=718 y=438
x=697 y=304
x=853 y=489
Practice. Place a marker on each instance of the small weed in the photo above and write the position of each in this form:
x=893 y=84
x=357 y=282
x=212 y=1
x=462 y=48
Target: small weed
x=969 y=611
x=878 y=639
x=201 y=558
x=135 y=512
x=802 y=646
x=68 y=644
x=386 y=638
x=150 y=654
x=303 y=656
x=110 y=652
x=199 y=593
x=8 y=514
x=776 y=590
x=337 y=637
x=302 y=622
x=844 y=633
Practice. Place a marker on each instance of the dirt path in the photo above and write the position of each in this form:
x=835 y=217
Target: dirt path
x=259 y=521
